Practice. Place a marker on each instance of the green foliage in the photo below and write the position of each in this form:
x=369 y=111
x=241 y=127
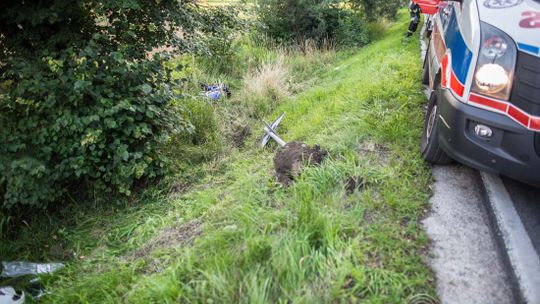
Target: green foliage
x=223 y=48
x=84 y=105
x=319 y=20
x=375 y=9
x=376 y=29
x=203 y=143
x=235 y=236
x=352 y=30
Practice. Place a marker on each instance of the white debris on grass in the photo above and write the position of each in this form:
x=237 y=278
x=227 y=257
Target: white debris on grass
x=17 y=269
x=8 y=295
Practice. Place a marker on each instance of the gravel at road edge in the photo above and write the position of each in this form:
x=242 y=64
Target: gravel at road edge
x=464 y=254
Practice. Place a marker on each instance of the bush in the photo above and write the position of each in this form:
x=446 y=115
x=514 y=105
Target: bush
x=84 y=119
x=84 y=107
x=223 y=48
x=318 y=20
x=352 y=30
x=375 y=9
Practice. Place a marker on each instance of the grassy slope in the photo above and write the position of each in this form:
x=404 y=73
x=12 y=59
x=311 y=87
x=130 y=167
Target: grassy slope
x=257 y=242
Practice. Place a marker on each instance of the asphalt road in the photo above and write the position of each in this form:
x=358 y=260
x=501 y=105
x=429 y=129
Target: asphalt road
x=527 y=203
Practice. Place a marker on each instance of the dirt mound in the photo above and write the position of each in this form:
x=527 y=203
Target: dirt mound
x=291 y=159
x=182 y=235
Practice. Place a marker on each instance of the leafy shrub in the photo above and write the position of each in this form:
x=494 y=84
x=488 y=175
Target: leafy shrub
x=222 y=57
x=319 y=20
x=84 y=107
x=83 y=119
x=352 y=30
x=375 y=9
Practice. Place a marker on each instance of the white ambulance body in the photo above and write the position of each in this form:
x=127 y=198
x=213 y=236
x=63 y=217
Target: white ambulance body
x=483 y=65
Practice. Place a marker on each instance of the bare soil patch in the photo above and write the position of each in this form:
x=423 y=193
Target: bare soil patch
x=182 y=235
x=180 y=187
x=354 y=183
x=380 y=152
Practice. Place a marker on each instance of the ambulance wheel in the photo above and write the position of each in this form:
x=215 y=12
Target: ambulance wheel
x=430 y=148
x=425 y=73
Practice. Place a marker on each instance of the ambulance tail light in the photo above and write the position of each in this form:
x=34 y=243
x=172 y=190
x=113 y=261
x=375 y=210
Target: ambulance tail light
x=496 y=64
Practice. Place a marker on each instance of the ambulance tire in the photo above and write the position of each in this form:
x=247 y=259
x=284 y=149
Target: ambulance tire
x=425 y=73
x=430 y=148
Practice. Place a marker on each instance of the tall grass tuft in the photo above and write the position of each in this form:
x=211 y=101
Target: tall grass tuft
x=266 y=87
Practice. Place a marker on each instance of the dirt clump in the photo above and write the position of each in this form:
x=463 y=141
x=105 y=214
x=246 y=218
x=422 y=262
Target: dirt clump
x=182 y=235
x=239 y=136
x=291 y=159
x=354 y=183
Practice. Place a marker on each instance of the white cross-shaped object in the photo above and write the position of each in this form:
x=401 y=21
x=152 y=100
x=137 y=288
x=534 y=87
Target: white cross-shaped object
x=270 y=131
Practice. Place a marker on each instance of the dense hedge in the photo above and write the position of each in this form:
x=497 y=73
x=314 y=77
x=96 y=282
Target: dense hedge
x=337 y=21
x=318 y=20
x=84 y=105
x=375 y=9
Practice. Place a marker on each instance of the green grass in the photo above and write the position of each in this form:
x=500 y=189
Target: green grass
x=255 y=241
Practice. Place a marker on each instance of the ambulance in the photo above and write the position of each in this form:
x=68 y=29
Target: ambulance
x=483 y=70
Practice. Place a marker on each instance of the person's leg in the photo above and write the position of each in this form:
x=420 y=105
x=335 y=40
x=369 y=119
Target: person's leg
x=412 y=27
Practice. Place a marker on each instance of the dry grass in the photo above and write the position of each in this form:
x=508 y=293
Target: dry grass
x=181 y=235
x=270 y=81
x=311 y=48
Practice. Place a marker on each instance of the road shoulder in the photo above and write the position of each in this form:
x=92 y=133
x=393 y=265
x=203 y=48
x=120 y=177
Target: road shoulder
x=464 y=253
x=513 y=237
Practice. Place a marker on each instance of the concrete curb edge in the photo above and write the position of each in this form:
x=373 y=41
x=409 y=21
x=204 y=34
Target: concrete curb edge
x=522 y=257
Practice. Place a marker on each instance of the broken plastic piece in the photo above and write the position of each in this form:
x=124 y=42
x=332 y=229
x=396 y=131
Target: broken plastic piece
x=215 y=91
x=36 y=289
x=17 y=269
x=8 y=295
